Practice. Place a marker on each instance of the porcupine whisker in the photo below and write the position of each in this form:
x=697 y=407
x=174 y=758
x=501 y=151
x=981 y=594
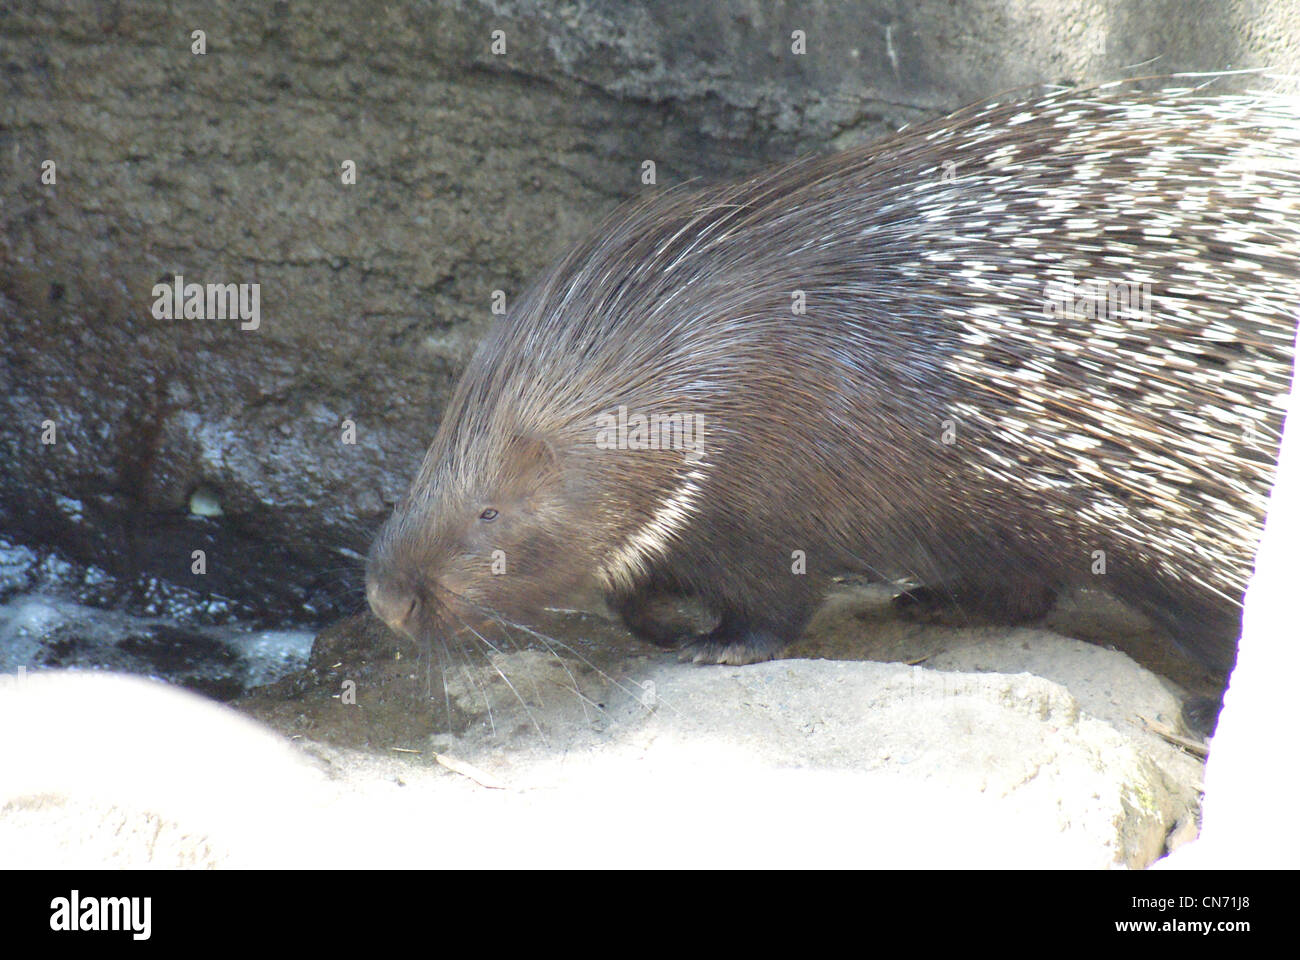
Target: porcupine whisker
x=427 y=649
x=470 y=675
x=632 y=692
x=551 y=644
x=466 y=669
x=548 y=643
x=440 y=650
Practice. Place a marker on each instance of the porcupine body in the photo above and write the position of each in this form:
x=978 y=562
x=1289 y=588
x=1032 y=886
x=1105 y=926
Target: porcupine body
x=1042 y=342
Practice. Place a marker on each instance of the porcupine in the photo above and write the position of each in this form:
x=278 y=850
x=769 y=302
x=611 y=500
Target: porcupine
x=957 y=405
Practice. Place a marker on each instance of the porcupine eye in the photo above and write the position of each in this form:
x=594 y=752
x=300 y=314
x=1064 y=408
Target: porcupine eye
x=488 y=514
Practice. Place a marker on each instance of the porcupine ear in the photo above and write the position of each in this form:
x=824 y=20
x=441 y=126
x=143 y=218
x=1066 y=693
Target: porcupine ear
x=530 y=462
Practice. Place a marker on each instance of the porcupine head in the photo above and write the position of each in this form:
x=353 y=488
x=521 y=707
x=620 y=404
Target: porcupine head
x=566 y=457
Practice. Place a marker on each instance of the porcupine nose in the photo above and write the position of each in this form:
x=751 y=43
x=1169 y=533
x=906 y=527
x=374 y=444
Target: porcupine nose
x=393 y=605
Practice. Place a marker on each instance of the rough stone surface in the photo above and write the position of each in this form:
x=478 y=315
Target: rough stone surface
x=792 y=763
